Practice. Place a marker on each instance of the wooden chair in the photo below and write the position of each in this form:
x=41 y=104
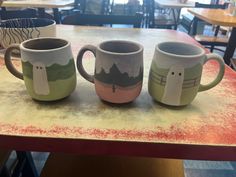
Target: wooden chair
x=98 y=7
x=160 y=18
x=62 y=165
x=208 y=41
x=77 y=7
x=99 y=20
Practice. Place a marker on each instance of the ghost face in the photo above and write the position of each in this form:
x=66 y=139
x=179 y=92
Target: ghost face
x=40 y=80
x=176 y=75
x=173 y=87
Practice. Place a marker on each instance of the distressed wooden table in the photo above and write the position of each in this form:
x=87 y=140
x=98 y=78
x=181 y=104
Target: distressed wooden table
x=222 y=18
x=84 y=124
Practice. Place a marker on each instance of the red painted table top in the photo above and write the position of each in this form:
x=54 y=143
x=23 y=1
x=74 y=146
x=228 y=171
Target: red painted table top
x=82 y=123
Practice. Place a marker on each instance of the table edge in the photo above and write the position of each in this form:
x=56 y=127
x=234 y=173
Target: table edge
x=5 y=4
x=121 y=148
x=212 y=21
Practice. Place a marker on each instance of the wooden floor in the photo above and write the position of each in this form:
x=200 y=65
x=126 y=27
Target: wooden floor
x=192 y=168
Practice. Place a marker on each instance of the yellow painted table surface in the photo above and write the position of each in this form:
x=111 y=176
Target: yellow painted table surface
x=82 y=123
x=214 y=16
x=38 y=3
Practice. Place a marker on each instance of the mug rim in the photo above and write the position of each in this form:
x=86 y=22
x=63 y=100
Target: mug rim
x=45 y=50
x=53 y=22
x=202 y=52
x=124 y=41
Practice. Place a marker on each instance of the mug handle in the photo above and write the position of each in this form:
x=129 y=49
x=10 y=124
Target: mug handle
x=220 y=75
x=8 y=61
x=79 y=63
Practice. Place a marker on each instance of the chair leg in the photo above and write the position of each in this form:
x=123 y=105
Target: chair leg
x=5 y=172
x=212 y=48
x=25 y=166
x=4 y=156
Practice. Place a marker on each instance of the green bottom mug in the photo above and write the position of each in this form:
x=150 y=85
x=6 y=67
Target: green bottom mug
x=48 y=68
x=176 y=72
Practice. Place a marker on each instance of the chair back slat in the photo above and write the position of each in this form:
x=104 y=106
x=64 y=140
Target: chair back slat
x=98 y=20
x=10 y=14
x=211 y=6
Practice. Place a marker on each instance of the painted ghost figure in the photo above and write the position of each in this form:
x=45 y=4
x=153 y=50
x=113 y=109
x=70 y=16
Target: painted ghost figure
x=173 y=87
x=40 y=79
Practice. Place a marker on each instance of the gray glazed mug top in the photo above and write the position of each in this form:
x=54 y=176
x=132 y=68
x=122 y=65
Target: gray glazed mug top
x=180 y=50
x=44 y=44
x=47 y=50
x=120 y=47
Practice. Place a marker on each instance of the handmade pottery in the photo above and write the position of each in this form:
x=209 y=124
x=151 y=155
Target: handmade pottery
x=48 y=68
x=176 y=71
x=15 y=31
x=118 y=70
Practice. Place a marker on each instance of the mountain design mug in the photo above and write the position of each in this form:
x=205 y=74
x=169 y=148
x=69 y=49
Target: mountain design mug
x=176 y=71
x=118 y=70
x=48 y=67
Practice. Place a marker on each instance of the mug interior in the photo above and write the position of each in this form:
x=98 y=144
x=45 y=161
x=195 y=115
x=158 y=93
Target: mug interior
x=121 y=47
x=179 y=48
x=44 y=44
x=26 y=23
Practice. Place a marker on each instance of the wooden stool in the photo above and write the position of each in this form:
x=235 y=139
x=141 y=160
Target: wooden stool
x=65 y=165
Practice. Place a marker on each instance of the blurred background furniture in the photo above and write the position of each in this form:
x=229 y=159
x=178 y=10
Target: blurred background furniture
x=23 y=13
x=210 y=40
x=40 y=5
x=97 y=7
x=99 y=20
x=77 y=7
x=219 y=17
x=4 y=155
x=17 y=164
x=166 y=13
x=233 y=63
x=215 y=39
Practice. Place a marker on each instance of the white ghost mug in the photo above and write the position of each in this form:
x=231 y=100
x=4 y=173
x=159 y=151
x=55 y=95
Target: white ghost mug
x=48 y=68
x=176 y=71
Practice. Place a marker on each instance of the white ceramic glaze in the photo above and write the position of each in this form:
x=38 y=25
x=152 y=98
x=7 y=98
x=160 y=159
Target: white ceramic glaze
x=15 y=31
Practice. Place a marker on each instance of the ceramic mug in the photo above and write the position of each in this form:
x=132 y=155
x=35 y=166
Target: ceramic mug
x=118 y=70
x=48 y=67
x=176 y=71
x=15 y=31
